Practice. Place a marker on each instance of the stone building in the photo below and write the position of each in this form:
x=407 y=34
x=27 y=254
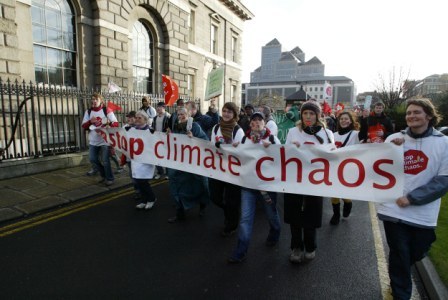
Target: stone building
x=282 y=73
x=87 y=44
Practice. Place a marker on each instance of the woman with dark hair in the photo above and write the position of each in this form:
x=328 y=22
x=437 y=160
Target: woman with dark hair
x=261 y=135
x=226 y=195
x=346 y=135
x=303 y=213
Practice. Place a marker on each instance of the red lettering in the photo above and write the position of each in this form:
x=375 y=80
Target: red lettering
x=361 y=172
x=133 y=150
x=209 y=161
x=175 y=149
x=325 y=171
x=112 y=140
x=390 y=177
x=168 y=145
x=258 y=168
x=191 y=149
x=284 y=163
x=234 y=161
x=156 y=149
x=124 y=143
x=118 y=139
x=220 y=160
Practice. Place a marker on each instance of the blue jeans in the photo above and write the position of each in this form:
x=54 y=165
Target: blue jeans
x=249 y=199
x=104 y=168
x=407 y=245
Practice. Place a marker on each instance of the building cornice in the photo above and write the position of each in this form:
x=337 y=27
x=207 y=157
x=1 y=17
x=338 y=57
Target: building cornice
x=238 y=8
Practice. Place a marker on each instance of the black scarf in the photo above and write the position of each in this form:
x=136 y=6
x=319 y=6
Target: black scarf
x=313 y=130
x=343 y=131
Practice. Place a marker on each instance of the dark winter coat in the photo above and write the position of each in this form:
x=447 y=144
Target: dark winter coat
x=303 y=210
x=373 y=121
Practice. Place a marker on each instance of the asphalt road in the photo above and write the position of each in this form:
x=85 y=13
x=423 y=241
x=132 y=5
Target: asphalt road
x=113 y=251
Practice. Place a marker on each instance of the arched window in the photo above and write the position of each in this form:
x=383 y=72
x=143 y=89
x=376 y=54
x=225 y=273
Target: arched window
x=142 y=58
x=54 y=42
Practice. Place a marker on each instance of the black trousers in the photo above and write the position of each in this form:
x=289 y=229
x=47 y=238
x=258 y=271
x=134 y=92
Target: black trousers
x=228 y=197
x=303 y=238
x=145 y=190
x=407 y=245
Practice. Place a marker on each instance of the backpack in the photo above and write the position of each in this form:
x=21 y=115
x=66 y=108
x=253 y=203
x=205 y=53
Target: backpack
x=235 y=130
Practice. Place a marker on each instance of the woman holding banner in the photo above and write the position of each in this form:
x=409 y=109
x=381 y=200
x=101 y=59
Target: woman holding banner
x=346 y=135
x=303 y=213
x=226 y=195
x=257 y=134
x=142 y=172
x=187 y=189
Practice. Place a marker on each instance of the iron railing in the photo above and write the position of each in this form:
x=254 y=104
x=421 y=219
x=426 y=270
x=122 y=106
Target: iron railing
x=38 y=121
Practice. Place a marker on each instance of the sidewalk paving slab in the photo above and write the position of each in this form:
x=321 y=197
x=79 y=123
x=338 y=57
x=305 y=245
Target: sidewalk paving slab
x=41 y=204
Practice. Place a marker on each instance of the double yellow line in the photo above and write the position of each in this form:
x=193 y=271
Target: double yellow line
x=62 y=212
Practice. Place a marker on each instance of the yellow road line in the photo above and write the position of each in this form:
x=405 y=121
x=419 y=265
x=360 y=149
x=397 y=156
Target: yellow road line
x=381 y=257
x=382 y=261
x=62 y=212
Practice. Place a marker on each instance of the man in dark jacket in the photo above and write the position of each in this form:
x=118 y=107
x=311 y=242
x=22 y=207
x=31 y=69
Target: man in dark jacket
x=173 y=119
x=205 y=121
x=378 y=126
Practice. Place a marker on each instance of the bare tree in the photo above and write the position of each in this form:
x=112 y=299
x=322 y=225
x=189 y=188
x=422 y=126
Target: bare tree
x=391 y=90
x=274 y=100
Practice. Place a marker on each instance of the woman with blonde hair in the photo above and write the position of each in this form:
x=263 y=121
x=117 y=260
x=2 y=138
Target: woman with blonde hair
x=142 y=172
x=187 y=189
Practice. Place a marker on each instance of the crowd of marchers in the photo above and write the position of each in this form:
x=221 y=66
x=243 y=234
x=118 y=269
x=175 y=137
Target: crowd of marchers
x=409 y=221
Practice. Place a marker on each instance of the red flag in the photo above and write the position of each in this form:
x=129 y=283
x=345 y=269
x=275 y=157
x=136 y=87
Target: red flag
x=326 y=108
x=339 y=107
x=112 y=106
x=170 y=89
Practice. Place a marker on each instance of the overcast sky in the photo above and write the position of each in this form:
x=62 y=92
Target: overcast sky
x=358 y=39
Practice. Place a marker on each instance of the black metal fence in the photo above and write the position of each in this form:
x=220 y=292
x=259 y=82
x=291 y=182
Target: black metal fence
x=38 y=121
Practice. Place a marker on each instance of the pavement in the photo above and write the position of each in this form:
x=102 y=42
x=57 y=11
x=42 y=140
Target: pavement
x=28 y=195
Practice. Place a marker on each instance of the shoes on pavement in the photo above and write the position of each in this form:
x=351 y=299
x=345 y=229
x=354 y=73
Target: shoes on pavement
x=296 y=256
x=157 y=176
x=310 y=255
x=166 y=177
x=92 y=173
x=347 y=209
x=150 y=205
x=236 y=260
x=109 y=182
x=227 y=232
x=176 y=219
x=202 y=209
x=140 y=206
x=335 y=219
x=271 y=243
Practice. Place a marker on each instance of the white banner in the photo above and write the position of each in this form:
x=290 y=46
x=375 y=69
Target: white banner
x=371 y=172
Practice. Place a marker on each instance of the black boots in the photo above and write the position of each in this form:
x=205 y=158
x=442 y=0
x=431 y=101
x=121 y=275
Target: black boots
x=347 y=209
x=336 y=214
